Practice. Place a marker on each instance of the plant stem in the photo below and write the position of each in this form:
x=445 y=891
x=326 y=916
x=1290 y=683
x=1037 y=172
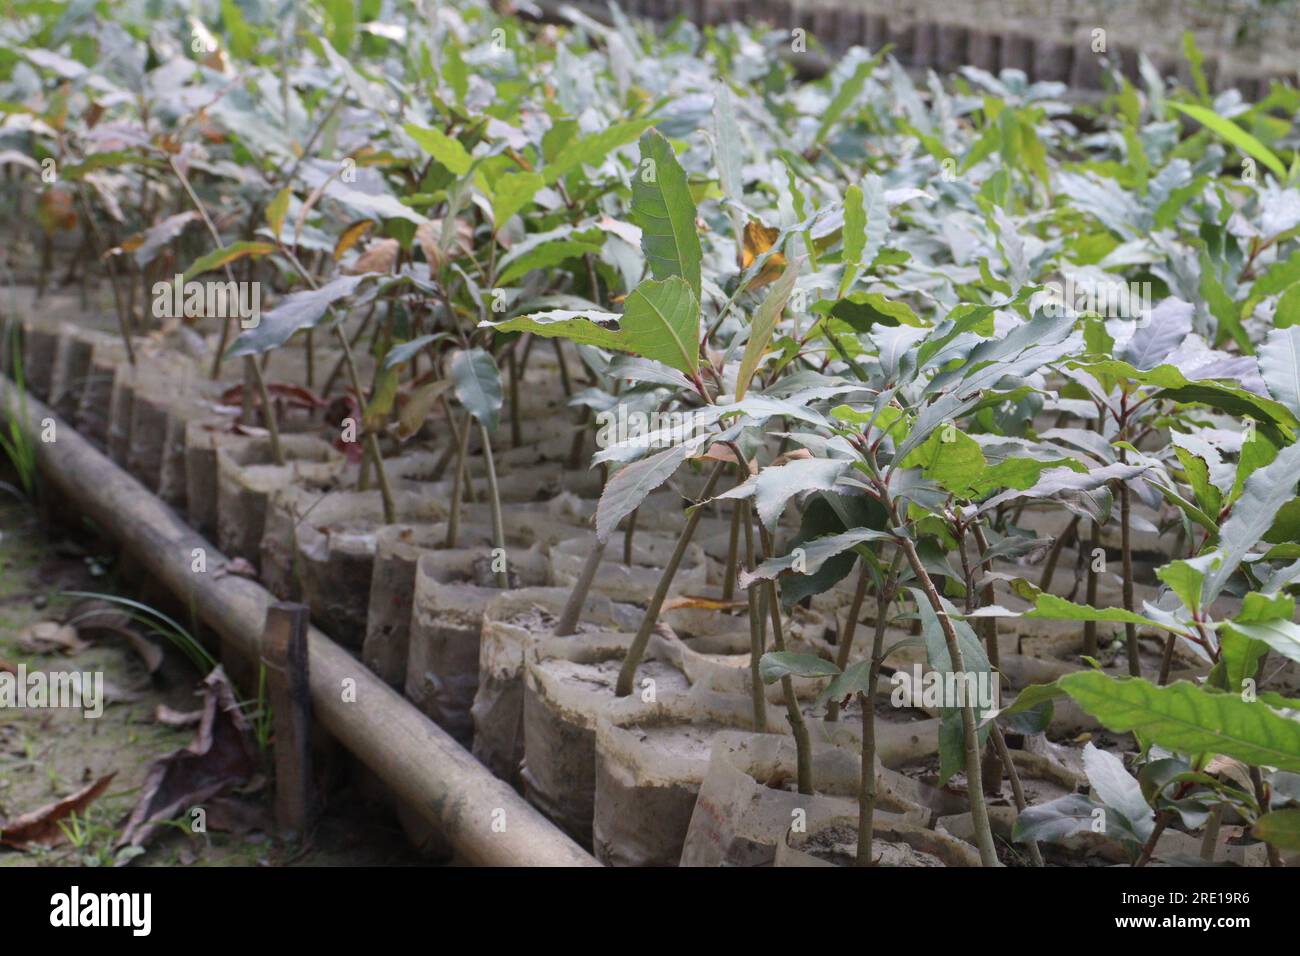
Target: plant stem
x=568 y=622
x=802 y=742
x=627 y=673
x=1054 y=556
x=1130 y=629
x=867 y=773
x=1017 y=791
x=989 y=625
x=627 y=537
x=1090 y=627
x=757 y=627
x=494 y=501
x=979 y=812
x=733 y=549
x=849 y=628
x=372 y=440
x=457 y=486
x=1261 y=797
x=512 y=365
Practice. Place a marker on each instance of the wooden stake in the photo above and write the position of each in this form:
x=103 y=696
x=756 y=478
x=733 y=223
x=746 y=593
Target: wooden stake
x=284 y=653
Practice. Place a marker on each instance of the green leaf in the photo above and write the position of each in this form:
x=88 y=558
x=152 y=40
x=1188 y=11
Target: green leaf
x=1055 y=820
x=1051 y=607
x=446 y=150
x=478 y=385
x=511 y=193
x=954 y=463
x=1281 y=635
x=762 y=326
x=628 y=486
x=660 y=321
x=814 y=554
x=844 y=97
x=1265 y=491
x=1288 y=308
x=856 y=679
x=1280 y=828
x=777 y=664
x=1278 y=277
x=1227 y=130
x=1279 y=365
x=1188 y=719
x=855 y=236
x=1221 y=305
x=1119 y=790
x=300 y=310
x=663 y=208
x=1186 y=579
x=594 y=149
x=221 y=257
x=862 y=310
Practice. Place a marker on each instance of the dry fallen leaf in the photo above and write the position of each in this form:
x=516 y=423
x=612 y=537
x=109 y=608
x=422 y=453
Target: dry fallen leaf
x=380 y=256
x=221 y=755
x=41 y=827
x=47 y=637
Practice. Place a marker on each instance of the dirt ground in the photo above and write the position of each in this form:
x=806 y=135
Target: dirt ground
x=48 y=754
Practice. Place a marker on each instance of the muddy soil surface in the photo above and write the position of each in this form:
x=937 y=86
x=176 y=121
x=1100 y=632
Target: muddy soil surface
x=48 y=754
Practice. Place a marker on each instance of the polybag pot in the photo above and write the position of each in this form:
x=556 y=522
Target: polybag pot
x=286 y=508
x=569 y=685
x=71 y=369
x=40 y=345
x=748 y=800
x=512 y=623
x=202 y=440
x=452 y=589
x=121 y=398
x=630 y=582
x=334 y=550
x=833 y=842
x=95 y=407
x=247 y=477
x=172 y=486
x=392 y=587
x=651 y=758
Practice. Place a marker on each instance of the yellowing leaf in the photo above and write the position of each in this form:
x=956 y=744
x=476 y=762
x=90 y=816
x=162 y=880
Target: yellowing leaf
x=351 y=236
x=758 y=239
x=278 y=209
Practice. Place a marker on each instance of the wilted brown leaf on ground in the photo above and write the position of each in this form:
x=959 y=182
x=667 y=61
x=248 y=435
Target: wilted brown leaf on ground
x=41 y=827
x=221 y=755
x=49 y=637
